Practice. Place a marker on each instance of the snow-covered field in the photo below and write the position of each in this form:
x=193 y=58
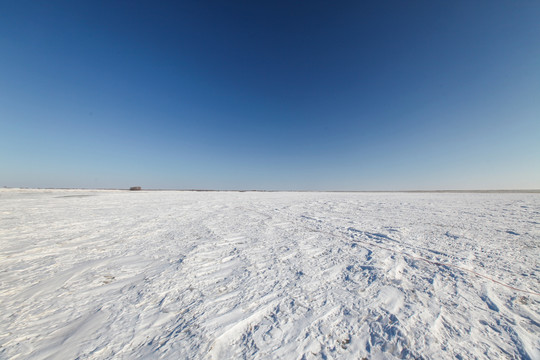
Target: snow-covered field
x=228 y=275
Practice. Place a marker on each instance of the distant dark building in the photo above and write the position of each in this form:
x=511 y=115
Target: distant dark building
x=135 y=188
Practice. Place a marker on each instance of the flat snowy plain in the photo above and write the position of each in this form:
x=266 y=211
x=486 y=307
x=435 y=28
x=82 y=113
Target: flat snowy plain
x=228 y=275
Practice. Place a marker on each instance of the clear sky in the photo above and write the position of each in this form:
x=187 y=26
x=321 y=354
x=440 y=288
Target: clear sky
x=313 y=95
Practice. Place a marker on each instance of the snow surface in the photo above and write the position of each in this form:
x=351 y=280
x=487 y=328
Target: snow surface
x=215 y=275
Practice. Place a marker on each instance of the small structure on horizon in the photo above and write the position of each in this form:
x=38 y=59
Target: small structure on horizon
x=135 y=188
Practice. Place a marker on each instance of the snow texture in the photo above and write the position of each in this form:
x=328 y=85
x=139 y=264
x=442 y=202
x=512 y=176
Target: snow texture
x=223 y=275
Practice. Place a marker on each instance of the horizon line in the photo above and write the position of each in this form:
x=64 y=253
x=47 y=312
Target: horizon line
x=284 y=190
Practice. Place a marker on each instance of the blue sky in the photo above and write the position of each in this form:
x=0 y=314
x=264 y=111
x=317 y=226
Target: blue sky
x=387 y=95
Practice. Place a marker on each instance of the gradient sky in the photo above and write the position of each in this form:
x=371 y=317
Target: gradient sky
x=350 y=95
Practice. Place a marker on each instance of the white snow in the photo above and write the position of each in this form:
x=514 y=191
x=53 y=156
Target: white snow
x=117 y=274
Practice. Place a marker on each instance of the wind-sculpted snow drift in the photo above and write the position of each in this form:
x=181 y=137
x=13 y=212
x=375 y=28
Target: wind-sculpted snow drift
x=227 y=275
